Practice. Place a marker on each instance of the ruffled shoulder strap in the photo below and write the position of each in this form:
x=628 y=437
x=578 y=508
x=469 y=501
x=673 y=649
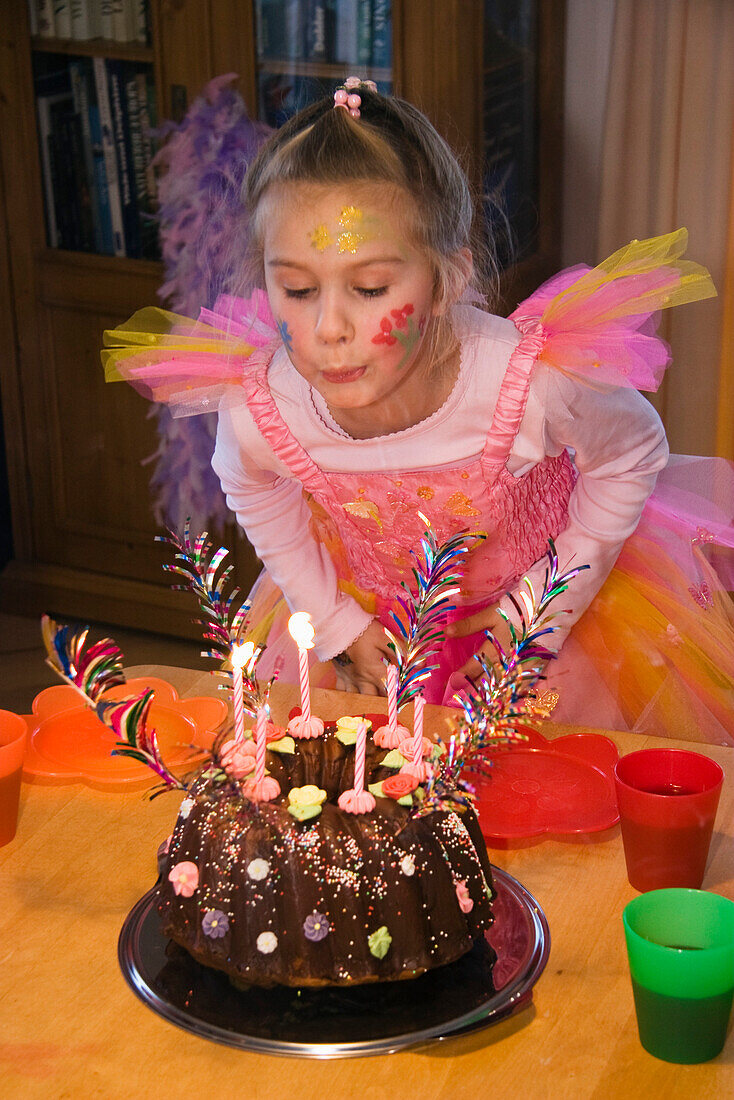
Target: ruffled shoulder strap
x=189 y=364
x=599 y=323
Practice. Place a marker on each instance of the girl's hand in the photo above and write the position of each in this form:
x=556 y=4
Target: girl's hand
x=488 y=618
x=363 y=670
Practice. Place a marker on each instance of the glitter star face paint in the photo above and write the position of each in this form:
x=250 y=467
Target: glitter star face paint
x=354 y=297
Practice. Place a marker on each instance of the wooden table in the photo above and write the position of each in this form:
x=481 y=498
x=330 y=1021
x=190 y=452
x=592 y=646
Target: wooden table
x=70 y=1026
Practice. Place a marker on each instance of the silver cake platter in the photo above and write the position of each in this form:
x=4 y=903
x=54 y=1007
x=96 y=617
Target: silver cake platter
x=344 y=1022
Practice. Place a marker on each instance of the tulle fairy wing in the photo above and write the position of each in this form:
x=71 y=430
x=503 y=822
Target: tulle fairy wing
x=599 y=323
x=189 y=364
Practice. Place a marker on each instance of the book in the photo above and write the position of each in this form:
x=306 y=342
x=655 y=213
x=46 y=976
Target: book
x=147 y=115
x=62 y=19
x=381 y=34
x=106 y=20
x=66 y=206
x=83 y=19
x=79 y=70
x=116 y=74
x=140 y=21
x=319 y=30
x=345 y=32
x=52 y=87
x=45 y=20
x=364 y=32
x=119 y=21
x=110 y=155
x=101 y=192
x=80 y=196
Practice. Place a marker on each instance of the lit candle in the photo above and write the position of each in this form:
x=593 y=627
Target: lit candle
x=239 y=656
x=418 y=705
x=302 y=633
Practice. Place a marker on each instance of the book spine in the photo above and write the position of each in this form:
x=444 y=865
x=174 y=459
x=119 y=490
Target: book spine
x=364 y=32
x=100 y=178
x=62 y=19
x=136 y=151
x=62 y=169
x=46 y=20
x=317 y=48
x=345 y=34
x=110 y=156
x=119 y=21
x=80 y=186
x=80 y=94
x=381 y=34
x=43 y=109
x=141 y=25
x=106 y=21
x=83 y=25
x=121 y=130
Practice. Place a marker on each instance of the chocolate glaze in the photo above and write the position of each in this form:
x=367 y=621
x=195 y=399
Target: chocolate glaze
x=350 y=869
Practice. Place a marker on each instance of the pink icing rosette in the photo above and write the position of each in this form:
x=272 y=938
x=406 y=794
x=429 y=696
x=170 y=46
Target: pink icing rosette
x=385 y=738
x=264 y=791
x=301 y=727
x=356 y=802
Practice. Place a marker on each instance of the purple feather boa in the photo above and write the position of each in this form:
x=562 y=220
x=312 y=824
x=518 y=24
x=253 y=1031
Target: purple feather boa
x=203 y=233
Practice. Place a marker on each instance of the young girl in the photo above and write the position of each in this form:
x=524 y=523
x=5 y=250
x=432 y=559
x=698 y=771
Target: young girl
x=381 y=396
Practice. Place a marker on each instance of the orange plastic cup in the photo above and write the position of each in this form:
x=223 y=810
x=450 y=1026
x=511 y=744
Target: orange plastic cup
x=13 y=736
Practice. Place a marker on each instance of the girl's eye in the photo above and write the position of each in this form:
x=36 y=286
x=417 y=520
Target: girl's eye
x=371 y=291
x=300 y=292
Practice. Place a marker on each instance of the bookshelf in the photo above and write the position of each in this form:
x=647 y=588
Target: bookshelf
x=77 y=451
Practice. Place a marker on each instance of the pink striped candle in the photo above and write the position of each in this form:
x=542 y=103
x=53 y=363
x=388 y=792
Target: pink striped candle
x=392 y=698
x=261 y=725
x=360 y=752
x=302 y=633
x=418 y=705
x=240 y=655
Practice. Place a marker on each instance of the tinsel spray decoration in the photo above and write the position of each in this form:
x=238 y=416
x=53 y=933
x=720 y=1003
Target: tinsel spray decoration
x=204 y=240
x=225 y=621
x=91 y=671
x=421 y=613
x=137 y=739
x=501 y=700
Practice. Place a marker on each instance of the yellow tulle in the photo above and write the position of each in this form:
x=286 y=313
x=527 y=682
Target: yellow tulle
x=687 y=282
x=154 y=335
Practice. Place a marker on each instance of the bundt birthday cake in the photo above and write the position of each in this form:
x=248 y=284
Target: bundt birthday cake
x=296 y=891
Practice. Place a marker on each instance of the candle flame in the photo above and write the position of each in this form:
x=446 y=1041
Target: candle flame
x=241 y=654
x=301 y=630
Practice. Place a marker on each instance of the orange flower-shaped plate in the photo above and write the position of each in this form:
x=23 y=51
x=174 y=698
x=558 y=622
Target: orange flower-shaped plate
x=67 y=743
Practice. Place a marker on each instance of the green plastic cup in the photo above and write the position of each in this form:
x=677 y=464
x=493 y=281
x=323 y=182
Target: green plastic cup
x=680 y=946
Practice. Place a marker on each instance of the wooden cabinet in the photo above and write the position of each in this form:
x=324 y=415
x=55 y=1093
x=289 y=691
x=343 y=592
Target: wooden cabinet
x=81 y=515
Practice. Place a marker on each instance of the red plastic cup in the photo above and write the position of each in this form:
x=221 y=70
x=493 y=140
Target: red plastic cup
x=667 y=802
x=13 y=734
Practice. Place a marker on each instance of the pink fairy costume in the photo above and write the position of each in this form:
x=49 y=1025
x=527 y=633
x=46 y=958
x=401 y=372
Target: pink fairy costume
x=334 y=519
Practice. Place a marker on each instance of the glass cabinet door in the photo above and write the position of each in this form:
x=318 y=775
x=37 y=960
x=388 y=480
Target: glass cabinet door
x=510 y=146
x=306 y=47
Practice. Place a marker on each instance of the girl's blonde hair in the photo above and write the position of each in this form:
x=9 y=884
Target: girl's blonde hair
x=392 y=142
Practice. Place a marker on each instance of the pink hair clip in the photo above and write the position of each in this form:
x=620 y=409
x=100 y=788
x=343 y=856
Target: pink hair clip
x=347 y=96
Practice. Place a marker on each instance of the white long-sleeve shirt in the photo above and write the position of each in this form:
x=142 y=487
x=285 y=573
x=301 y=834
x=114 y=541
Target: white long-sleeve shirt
x=614 y=435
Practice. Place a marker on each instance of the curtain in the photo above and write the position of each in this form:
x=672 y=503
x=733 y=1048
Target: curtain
x=667 y=162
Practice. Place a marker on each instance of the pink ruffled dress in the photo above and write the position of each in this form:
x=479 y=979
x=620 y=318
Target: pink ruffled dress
x=654 y=651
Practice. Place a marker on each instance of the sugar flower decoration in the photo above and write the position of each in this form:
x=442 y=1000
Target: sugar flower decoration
x=267 y=942
x=316 y=927
x=465 y=902
x=379 y=942
x=185 y=878
x=185 y=808
x=407 y=865
x=309 y=795
x=215 y=924
x=258 y=869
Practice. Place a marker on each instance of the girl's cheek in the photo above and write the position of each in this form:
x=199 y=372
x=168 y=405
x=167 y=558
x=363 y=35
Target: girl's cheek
x=398 y=332
x=286 y=333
